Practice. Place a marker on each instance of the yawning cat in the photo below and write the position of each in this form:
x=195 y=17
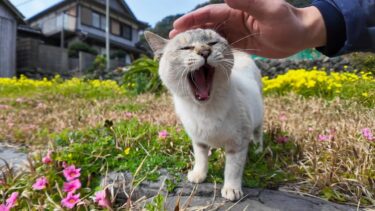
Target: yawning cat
x=217 y=95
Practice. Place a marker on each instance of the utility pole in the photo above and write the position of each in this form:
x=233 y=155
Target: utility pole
x=62 y=42
x=62 y=30
x=107 y=44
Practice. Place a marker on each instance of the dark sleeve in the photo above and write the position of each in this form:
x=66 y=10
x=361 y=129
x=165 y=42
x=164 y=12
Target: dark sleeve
x=350 y=25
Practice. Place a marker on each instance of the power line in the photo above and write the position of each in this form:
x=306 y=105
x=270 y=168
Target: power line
x=23 y=3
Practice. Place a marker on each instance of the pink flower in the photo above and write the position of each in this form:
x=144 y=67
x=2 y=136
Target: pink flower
x=366 y=132
x=283 y=117
x=10 y=202
x=310 y=129
x=324 y=137
x=101 y=199
x=4 y=107
x=47 y=159
x=71 y=172
x=129 y=114
x=70 y=200
x=163 y=134
x=72 y=186
x=4 y=208
x=282 y=139
x=40 y=183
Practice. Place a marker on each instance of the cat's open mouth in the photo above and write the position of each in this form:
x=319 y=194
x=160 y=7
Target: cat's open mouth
x=201 y=82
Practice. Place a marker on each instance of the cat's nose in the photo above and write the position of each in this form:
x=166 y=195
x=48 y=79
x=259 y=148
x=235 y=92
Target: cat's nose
x=204 y=53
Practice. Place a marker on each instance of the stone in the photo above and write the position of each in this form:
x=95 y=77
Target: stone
x=206 y=196
x=11 y=155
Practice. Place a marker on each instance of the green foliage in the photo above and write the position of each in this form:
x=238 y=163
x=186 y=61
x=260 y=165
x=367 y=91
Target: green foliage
x=266 y=169
x=104 y=148
x=164 y=26
x=135 y=147
x=118 y=54
x=76 y=47
x=97 y=71
x=157 y=204
x=143 y=76
x=122 y=147
x=363 y=61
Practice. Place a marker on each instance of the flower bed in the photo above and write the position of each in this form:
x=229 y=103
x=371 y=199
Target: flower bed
x=318 y=139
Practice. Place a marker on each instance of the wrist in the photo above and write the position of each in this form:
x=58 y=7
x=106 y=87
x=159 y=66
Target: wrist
x=314 y=27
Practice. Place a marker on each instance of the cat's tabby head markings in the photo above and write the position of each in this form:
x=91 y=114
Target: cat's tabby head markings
x=195 y=64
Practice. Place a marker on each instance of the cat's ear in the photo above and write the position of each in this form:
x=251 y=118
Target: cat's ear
x=156 y=43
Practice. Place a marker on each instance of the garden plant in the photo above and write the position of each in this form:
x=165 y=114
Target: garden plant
x=318 y=138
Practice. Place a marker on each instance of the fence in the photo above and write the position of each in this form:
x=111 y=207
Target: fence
x=34 y=57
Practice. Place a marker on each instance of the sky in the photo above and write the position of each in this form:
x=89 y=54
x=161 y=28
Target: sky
x=150 y=11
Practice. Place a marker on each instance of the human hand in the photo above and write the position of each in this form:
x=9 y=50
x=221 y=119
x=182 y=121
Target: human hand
x=268 y=28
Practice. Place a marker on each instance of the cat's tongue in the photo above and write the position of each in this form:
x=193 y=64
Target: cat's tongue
x=202 y=79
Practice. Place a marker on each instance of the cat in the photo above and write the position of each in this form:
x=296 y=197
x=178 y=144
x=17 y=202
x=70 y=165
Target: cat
x=217 y=93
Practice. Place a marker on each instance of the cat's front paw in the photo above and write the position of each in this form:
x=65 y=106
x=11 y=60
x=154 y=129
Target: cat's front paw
x=196 y=176
x=231 y=194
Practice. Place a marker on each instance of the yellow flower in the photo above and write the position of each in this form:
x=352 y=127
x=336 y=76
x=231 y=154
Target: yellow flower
x=127 y=151
x=310 y=84
x=365 y=94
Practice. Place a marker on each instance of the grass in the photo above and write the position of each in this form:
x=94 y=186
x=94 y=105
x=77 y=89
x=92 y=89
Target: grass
x=120 y=132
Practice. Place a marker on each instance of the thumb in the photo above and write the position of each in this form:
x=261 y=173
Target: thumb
x=259 y=9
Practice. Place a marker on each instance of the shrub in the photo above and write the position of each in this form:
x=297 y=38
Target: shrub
x=76 y=47
x=363 y=61
x=142 y=76
x=318 y=83
x=118 y=54
x=13 y=87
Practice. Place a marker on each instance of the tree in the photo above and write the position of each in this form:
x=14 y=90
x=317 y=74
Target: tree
x=164 y=26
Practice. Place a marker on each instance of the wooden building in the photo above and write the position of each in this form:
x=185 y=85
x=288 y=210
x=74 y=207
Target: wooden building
x=71 y=21
x=10 y=17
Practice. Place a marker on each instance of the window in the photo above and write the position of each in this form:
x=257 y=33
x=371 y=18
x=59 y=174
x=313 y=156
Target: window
x=127 y=32
x=103 y=22
x=86 y=16
x=95 y=20
x=115 y=28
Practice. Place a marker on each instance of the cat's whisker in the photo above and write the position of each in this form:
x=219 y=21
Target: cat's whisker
x=182 y=78
x=220 y=25
x=248 y=49
x=245 y=37
x=228 y=62
x=225 y=69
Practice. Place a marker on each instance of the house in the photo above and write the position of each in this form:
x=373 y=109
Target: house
x=72 y=21
x=10 y=17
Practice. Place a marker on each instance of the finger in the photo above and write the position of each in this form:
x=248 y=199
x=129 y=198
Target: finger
x=260 y=9
x=218 y=27
x=208 y=14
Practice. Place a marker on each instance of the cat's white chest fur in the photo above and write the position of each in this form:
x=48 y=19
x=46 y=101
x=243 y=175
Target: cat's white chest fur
x=232 y=114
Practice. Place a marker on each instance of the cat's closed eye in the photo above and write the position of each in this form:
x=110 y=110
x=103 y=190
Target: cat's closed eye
x=212 y=43
x=187 y=48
